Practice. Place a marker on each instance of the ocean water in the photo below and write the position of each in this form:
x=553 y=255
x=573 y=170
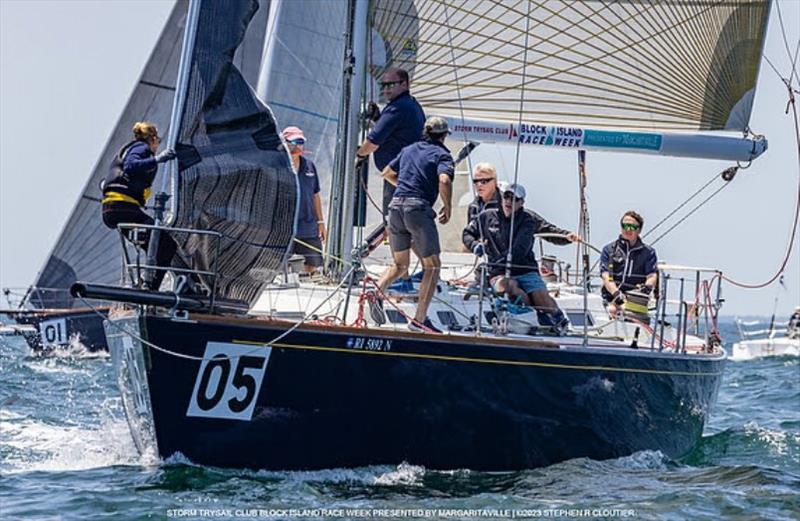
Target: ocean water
x=65 y=453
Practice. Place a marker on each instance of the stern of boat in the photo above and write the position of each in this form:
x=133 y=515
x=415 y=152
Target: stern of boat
x=124 y=335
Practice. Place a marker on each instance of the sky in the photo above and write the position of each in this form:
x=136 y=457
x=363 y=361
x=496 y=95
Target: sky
x=68 y=67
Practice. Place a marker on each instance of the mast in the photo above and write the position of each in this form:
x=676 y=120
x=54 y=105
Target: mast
x=344 y=179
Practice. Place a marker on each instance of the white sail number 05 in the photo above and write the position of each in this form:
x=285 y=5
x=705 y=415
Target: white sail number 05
x=228 y=381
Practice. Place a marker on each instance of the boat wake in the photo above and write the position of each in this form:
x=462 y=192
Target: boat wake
x=30 y=445
x=757 y=445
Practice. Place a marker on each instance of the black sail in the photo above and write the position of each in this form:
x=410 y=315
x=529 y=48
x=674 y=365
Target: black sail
x=86 y=249
x=235 y=175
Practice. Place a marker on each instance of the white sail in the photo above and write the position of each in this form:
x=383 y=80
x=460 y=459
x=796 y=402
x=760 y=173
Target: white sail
x=301 y=74
x=669 y=65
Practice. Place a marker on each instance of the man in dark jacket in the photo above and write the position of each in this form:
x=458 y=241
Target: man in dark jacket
x=422 y=173
x=627 y=263
x=496 y=244
x=487 y=194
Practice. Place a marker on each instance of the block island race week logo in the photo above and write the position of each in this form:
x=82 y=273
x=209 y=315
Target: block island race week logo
x=556 y=136
x=525 y=133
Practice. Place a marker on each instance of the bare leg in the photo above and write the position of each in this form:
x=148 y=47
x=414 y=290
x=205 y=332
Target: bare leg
x=398 y=267
x=431 y=266
x=504 y=286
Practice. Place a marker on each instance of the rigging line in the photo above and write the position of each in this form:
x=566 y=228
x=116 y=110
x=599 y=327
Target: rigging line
x=681 y=220
x=796 y=211
x=166 y=351
x=684 y=203
x=783 y=32
x=509 y=257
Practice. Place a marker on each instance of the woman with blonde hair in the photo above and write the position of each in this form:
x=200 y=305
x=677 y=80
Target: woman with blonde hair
x=127 y=187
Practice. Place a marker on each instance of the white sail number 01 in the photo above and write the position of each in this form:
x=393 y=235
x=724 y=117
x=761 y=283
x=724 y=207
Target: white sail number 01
x=228 y=381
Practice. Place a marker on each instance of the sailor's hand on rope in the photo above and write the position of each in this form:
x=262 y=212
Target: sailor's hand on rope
x=165 y=155
x=478 y=249
x=574 y=237
x=360 y=160
x=618 y=298
x=444 y=215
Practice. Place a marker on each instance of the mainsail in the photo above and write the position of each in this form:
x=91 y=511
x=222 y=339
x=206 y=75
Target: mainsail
x=86 y=249
x=635 y=64
x=235 y=176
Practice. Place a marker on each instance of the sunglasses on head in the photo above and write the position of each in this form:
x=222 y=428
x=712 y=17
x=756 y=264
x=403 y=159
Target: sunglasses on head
x=630 y=227
x=390 y=84
x=298 y=141
x=483 y=181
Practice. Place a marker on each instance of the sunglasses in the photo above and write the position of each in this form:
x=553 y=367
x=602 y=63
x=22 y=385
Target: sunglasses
x=298 y=141
x=630 y=227
x=483 y=181
x=390 y=84
x=510 y=196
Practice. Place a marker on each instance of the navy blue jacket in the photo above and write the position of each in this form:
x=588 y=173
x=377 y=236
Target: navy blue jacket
x=627 y=265
x=400 y=124
x=132 y=171
x=496 y=234
x=418 y=167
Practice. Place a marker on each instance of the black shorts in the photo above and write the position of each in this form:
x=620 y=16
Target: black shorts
x=312 y=257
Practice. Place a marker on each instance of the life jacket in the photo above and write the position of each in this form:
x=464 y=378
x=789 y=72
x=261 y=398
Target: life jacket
x=130 y=187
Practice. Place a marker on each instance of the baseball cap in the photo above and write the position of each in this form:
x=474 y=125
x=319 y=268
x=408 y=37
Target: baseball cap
x=436 y=125
x=292 y=133
x=517 y=189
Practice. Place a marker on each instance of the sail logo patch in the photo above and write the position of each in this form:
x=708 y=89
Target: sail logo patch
x=54 y=332
x=228 y=381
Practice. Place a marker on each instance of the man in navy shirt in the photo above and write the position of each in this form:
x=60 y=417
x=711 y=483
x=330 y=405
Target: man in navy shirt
x=399 y=125
x=310 y=224
x=422 y=173
x=627 y=263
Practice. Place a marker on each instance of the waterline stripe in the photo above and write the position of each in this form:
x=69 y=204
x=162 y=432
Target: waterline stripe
x=479 y=360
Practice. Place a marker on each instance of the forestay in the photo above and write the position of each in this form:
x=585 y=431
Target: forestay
x=235 y=176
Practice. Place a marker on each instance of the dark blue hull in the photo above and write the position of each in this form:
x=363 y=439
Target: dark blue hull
x=342 y=397
x=56 y=328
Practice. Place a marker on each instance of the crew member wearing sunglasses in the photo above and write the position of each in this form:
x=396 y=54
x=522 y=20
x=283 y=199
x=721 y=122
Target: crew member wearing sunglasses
x=400 y=124
x=310 y=223
x=627 y=263
x=484 y=181
x=489 y=236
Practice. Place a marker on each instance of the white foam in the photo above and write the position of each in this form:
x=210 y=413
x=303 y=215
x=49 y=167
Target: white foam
x=48 y=447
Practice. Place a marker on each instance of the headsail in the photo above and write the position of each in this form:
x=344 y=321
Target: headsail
x=86 y=249
x=235 y=174
x=669 y=65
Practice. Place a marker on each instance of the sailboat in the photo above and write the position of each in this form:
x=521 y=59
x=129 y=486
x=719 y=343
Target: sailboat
x=316 y=385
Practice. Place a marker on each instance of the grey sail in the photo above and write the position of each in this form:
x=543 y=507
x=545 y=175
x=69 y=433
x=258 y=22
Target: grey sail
x=235 y=176
x=86 y=249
